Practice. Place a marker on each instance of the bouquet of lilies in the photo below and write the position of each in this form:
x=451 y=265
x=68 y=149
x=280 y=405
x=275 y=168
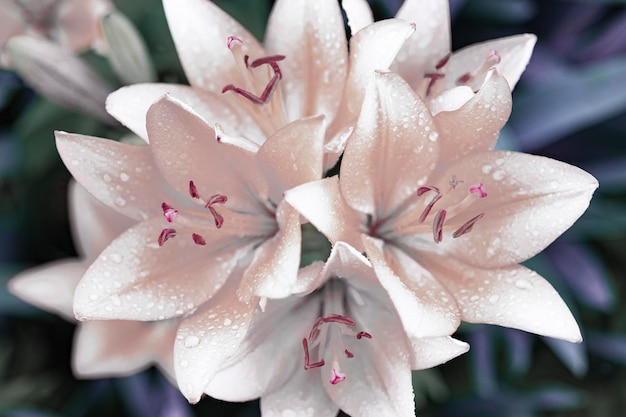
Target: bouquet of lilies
x=310 y=219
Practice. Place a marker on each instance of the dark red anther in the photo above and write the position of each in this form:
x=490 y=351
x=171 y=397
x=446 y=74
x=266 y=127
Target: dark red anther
x=442 y=63
x=198 y=239
x=216 y=199
x=349 y=354
x=467 y=226
x=361 y=335
x=464 y=78
x=440 y=218
x=193 y=190
x=307 y=364
x=433 y=77
x=165 y=235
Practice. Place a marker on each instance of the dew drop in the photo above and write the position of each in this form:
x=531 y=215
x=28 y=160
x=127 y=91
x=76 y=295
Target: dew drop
x=494 y=299
x=191 y=341
x=93 y=297
x=184 y=363
x=116 y=257
x=120 y=201
x=124 y=176
x=498 y=175
x=106 y=178
x=523 y=284
x=228 y=322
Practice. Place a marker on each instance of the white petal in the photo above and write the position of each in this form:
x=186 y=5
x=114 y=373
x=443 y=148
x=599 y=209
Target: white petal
x=451 y=99
x=200 y=31
x=94 y=225
x=50 y=286
x=429 y=44
x=312 y=37
x=432 y=351
x=426 y=309
x=531 y=200
x=512 y=297
x=392 y=149
x=185 y=149
x=359 y=14
x=135 y=279
x=514 y=51
x=208 y=338
x=124 y=177
x=293 y=155
x=322 y=204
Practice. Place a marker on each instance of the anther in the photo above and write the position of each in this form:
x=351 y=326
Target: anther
x=361 y=335
x=349 y=354
x=440 y=218
x=467 y=226
x=421 y=191
x=442 y=63
x=169 y=212
x=193 y=190
x=198 y=239
x=307 y=364
x=268 y=92
x=478 y=188
x=216 y=199
x=165 y=235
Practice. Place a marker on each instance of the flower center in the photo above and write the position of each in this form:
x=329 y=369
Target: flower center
x=420 y=211
x=171 y=214
x=329 y=333
x=266 y=106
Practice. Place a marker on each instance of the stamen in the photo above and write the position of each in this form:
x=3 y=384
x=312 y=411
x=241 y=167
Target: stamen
x=442 y=63
x=429 y=207
x=493 y=58
x=266 y=96
x=432 y=78
x=193 y=190
x=440 y=217
x=366 y=335
x=169 y=212
x=467 y=226
x=198 y=239
x=349 y=354
x=307 y=364
x=216 y=199
x=165 y=235
x=336 y=376
x=478 y=188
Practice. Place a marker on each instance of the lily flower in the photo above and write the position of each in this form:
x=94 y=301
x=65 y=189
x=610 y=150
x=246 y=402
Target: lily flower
x=339 y=344
x=98 y=352
x=73 y=24
x=248 y=91
x=446 y=80
x=214 y=237
x=445 y=227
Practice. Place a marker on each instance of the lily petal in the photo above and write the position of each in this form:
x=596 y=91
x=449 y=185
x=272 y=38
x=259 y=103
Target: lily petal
x=130 y=104
x=124 y=177
x=322 y=204
x=429 y=44
x=432 y=351
x=50 y=286
x=217 y=168
x=200 y=31
x=476 y=125
x=292 y=156
x=392 y=149
x=133 y=278
x=514 y=51
x=426 y=309
x=532 y=200
x=312 y=37
x=274 y=269
x=512 y=297
x=206 y=340
x=359 y=14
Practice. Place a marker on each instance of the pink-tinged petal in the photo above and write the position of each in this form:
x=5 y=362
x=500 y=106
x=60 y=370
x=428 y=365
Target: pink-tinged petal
x=270 y=354
x=113 y=348
x=274 y=268
x=514 y=51
x=50 y=286
x=293 y=156
x=130 y=104
x=512 y=297
x=428 y=352
x=378 y=376
x=322 y=204
x=372 y=48
x=79 y=24
x=476 y=125
x=124 y=177
x=207 y=339
x=425 y=308
x=10 y=22
x=200 y=31
x=451 y=100
x=359 y=14
x=186 y=149
x=310 y=278
x=312 y=37
x=531 y=201
x=303 y=394
x=94 y=225
x=136 y=279
x=392 y=149
x=429 y=44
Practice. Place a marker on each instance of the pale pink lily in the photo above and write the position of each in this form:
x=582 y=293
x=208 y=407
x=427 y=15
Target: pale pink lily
x=446 y=80
x=446 y=226
x=101 y=348
x=70 y=23
x=339 y=344
x=247 y=91
x=214 y=234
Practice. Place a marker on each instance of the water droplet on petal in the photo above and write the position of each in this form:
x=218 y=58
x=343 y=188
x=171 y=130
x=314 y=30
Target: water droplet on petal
x=191 y=341
x=523 y=284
